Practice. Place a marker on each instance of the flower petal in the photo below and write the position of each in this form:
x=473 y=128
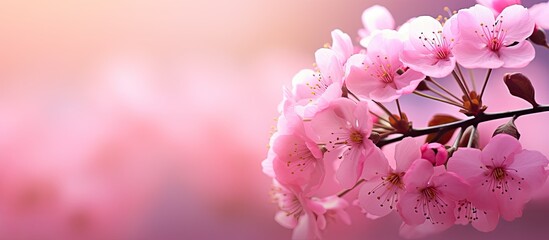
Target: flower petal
x=499 y=150
x=517 y=56
x=406 y=152
x=466 y=163
x=418 y=175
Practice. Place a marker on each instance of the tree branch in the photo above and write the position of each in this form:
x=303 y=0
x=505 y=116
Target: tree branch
x=463 y=123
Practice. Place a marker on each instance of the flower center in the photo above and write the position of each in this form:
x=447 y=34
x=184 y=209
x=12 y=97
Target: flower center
x=437 y=44
x=429 y=193
x=493 y=35
x=356 y=137
x=395 y=179
x=499 y=173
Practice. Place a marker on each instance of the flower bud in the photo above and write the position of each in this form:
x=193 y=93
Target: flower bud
x=520 y=86
x=538 y=37
x=508 y=128
x=436 y=153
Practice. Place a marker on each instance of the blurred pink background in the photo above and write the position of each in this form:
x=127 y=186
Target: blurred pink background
x=149 y=119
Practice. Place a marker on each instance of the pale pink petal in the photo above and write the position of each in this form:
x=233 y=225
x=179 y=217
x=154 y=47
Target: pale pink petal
x=301 y=84
x=363 y=119
x=517 y=56
x=466 y=163
x=306 y=228
x=294 y=163
x=408 y=81
x=329 y=66
x=480 y=194
x=388 y=43
x=451 y=185
x=351 y=168
x=469 y=21
x=327 y=122
x=511 y=202
x=332 y=92
x=407 y=208
x=377 y=197
x=487 y=220
x=517 y=23
x=375 y=165
x=286 y=220
x=406 y=152
x=361 y=84
x=540 y=13
x=384 y=94
x=476 y=55
x=423 y=27
x=418 y=175
x=376 y=18
x=530 y=165
x=342 y=45
x=499 y=150
x=356 y=60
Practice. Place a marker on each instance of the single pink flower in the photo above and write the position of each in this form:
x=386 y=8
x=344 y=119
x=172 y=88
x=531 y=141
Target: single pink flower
x=497 y=6
x=345 y=127
x=311 y=92
x=306 y=215
x=502 y=176
x=384 y=185
x=485 y=42
x=430 y=198
x=429 y=48
x=374 y=19
x=436 y=153
x=381 y=76
x=540 y=13
x=297 y=159
x=298 y=211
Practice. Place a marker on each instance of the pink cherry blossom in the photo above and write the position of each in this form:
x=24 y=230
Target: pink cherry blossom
x=345 y=126
x=540 y=13
x=384 y=185
x=374 y=19
x=297 y=159
x=429 y=49
x=298 y=212
x=382 y=76
x=436 y=153
x=497 y=6
x=430 y=198
x=306 y=215
x=502 y=176
x=486 y=42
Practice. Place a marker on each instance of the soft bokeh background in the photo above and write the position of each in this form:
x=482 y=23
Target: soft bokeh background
x=149 y=119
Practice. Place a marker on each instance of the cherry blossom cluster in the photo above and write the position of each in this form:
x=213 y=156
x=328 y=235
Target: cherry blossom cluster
x=334 y=123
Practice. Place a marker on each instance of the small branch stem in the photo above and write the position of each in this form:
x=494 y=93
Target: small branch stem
x=474 y=121
x=472 y=77
x=341 y=194
x=436 y=99
x=485 y=83
x=442 y=95
x=380 y=118
x=472 y=136
x=445 y=90
x=465 y=92
x=398 y=106
x=385 y=110
x=462 y=78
